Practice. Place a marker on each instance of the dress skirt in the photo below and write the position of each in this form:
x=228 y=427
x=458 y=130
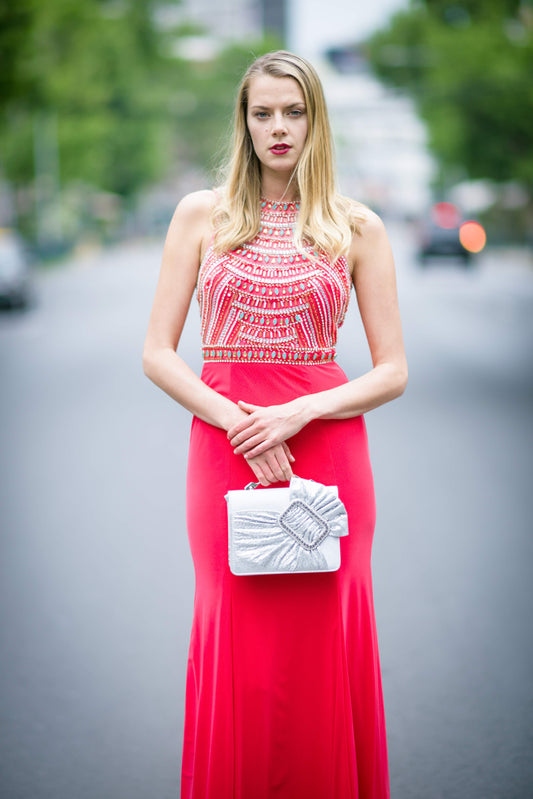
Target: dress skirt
x=283 y=696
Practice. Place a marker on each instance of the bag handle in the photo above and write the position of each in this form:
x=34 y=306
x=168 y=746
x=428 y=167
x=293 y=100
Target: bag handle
x=252 y=485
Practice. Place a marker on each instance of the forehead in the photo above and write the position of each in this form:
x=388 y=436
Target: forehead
x=267 y=90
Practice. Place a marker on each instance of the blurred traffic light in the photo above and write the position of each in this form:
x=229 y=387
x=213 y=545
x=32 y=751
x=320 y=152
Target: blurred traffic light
x=472 y=236
x=446 y=215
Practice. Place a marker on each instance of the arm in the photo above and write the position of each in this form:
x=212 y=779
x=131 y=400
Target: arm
x=187 y=238
x=373 y=274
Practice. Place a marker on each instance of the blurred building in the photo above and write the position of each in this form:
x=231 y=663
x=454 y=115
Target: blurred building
x=380 y=141
x=227 y=19
x=237 y=19
x=274 y=16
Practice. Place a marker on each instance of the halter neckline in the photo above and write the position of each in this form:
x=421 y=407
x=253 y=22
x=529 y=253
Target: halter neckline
x=280 y=205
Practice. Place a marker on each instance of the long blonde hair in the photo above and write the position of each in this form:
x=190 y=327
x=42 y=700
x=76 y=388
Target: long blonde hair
x=326 y=221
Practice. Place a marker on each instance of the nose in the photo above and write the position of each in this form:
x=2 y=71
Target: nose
x=279 y=126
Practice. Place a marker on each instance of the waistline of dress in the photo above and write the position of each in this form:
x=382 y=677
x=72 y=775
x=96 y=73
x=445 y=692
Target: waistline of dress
x=268 y=354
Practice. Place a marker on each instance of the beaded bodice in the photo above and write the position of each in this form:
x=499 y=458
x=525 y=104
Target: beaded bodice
x=268 y=302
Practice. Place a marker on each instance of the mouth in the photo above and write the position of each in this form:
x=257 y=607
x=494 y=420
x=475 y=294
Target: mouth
x=280 y=149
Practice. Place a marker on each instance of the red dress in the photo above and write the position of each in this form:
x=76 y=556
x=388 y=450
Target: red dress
x=284 y=695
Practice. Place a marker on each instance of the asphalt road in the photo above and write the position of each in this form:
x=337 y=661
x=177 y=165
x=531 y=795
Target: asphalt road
x=96 y=578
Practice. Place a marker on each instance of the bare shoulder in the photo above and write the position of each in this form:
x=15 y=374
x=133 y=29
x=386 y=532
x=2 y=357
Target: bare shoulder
x=196 y=207
x=191 y=226
x=368 y=226
x=365 y=221
x=370 y=240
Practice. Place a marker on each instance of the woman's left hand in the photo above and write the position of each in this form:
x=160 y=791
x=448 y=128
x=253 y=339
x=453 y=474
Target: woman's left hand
x=264 y=427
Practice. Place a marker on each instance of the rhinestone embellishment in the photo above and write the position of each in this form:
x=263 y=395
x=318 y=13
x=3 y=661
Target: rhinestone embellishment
x=301 y=522
x=266 y=301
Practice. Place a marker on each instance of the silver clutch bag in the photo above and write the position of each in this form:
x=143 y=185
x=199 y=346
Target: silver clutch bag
x=285 y=530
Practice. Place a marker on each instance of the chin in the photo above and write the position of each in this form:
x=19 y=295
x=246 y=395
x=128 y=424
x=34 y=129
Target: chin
x=277 y=165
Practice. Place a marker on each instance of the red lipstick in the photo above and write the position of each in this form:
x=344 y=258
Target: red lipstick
x=280 y=149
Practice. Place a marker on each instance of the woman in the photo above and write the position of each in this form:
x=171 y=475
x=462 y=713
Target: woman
x=283 y=688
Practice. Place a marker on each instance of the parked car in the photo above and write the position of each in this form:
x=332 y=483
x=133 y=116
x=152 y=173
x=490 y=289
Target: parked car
x=15 y=273
x=439 y=235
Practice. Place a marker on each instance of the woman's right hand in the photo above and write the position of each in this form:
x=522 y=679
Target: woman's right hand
x=273 y=466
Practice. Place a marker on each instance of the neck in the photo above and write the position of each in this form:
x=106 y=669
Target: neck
x=279 y=188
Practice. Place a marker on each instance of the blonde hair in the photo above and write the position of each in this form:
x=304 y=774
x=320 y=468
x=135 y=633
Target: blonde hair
x=326 y=221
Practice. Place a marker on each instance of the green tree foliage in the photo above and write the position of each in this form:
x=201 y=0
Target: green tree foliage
x=469 y=65
x=15 y=26
x=94 y=93
x=82 y=112
x=94 y=66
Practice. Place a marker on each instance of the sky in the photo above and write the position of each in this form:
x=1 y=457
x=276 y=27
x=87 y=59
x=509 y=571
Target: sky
x=317 y=24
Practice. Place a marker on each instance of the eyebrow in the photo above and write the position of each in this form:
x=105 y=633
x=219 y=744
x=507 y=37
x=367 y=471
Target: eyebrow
x=298 y=104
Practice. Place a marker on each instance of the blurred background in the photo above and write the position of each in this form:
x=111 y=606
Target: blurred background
x=111 y=110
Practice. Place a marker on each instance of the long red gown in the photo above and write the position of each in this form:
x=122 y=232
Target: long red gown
x=284 y=696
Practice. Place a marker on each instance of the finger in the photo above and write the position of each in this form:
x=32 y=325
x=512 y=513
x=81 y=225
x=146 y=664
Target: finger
x=287 y=451
x=244 y=437
x=253 y=449
x=279 y=464
x=247 y=406
x=253 y=446
x=285 y=464
x=267 y=475
x=275 y=468
x=259 y=475
x=239 y=427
